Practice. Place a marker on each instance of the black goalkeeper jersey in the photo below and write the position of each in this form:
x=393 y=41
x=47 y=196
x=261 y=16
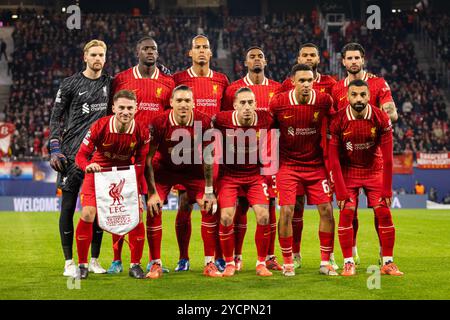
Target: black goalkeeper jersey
x=80 y=101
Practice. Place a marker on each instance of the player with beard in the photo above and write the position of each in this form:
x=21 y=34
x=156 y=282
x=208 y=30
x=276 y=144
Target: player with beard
x=153 y=89
x=81 y=100
x=308 y=54
x=302 y=116
x=263 y=89
x=380 y=97
x=361 y=158
x=208 y=87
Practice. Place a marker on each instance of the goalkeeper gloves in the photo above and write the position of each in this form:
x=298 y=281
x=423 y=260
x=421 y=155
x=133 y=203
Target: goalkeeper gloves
x=58 y=161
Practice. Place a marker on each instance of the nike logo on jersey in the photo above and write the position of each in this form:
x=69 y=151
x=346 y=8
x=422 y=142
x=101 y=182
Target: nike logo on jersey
x=81 y=93
x=346 y=133
x=107 y=144
x=342 y=98
x=287 y=117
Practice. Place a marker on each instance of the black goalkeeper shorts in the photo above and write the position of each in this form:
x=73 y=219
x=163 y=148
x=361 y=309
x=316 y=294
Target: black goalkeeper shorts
x=71 y=179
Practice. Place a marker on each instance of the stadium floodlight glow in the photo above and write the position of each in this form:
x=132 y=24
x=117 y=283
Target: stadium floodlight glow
x=63 y=9
x=399 y=10
x=14 y=16
x=393 y=10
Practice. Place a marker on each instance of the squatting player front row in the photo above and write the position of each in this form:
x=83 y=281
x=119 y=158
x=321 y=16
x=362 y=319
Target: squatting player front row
x=322 y=148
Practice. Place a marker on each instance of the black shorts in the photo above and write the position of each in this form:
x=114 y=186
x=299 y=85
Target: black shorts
x=71 y=179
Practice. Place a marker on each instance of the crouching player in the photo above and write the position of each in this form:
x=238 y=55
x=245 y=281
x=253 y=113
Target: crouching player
x=362 y=135
x=171 y=162
x=112 y=141
x=240 y=169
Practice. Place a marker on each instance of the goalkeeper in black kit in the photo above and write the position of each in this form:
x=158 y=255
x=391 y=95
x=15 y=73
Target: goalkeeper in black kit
x=81 y=100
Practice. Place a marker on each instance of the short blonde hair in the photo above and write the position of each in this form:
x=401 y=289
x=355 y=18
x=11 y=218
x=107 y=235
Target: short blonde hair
x=94 y=43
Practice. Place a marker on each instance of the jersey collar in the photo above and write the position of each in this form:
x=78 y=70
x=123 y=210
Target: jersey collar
x=173 y=121
x=249 y=82
x=365 y=77
x=137 y=74
x=318 y=77
x=236 y=123
x=192 y=74
x=293 y=99
x=367 y=116
x=113 y=129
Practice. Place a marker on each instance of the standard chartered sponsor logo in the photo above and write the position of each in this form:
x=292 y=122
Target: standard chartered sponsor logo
x=205 y=102
x=301 y=131
x=148 y=106
x=364 y=146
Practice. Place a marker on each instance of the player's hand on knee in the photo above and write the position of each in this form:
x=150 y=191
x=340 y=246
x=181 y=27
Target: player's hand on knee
x=342 y=203
x=154 y=204
x=93 y=167
x=387 y=200
x=209 y=202
x=58 y=161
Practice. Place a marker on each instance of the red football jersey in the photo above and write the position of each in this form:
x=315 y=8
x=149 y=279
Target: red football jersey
x=380 y=92
x=208 y=91
x=248 y=148
x=153 y=94
x=162 y=129
x=322 y=83
x=302 y=128
x=359 y=140
x=263 y=92
x=111 y=148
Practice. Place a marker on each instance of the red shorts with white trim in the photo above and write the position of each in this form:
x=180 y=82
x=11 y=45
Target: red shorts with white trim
x=251 y=186
x=165 y=180
x=314 y=183
x=372 y=188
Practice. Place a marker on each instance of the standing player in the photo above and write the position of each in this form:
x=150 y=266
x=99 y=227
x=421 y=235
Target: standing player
x=208 y=87
x=308 y=54
x=380 y=97
x=81 y=100
x=301 y=115
x=234 y=176
x=112 y=141
x=263 y=89
x=153 y=89
x=168 y=164
x=358 y=133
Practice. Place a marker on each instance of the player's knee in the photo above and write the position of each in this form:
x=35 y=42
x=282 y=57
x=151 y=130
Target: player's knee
x=226 y=216
x=262 y=215
x=88 y=214
x=383 y=214
x=325 y=211
x=346 y=218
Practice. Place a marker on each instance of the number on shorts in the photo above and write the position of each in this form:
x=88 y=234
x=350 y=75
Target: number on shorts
x=325 y=186
x=265 y=189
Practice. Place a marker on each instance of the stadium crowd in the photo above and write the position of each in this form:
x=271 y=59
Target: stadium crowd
x=43 y=56
x=423 y=121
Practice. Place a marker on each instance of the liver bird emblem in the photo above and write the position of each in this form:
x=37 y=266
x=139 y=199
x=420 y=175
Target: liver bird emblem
x=115 y=190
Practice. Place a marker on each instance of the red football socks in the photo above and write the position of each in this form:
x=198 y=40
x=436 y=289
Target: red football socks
x=387 y=231
x=273 y=229
x=137 y=240
x=286 y=249
x=297 y=229
x=226 y=234
x=262 y=238
x=183 y=229
x=240 y=228
x=326 y=244
x=209 y=231
x=154 y=236
x=345 y=232
x=84 y=239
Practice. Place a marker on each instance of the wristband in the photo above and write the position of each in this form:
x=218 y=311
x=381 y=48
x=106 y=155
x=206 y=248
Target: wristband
x=209 y=190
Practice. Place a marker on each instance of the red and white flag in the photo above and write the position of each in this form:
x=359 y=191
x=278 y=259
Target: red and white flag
x=6 y=132
x=117 y=198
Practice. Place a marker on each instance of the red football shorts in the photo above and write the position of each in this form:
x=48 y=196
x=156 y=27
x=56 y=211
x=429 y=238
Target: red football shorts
x=87 y=194
x=252 y=186
x=372 y=188
x=165 y=180
x=314 y=183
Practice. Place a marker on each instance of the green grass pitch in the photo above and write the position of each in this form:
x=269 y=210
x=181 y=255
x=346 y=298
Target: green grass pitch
x=31 y=264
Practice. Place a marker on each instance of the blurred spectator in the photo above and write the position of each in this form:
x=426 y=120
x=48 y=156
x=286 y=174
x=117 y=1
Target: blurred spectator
x=3 y=50
x=432 y=195
x=419 y=188
x=446 y=199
